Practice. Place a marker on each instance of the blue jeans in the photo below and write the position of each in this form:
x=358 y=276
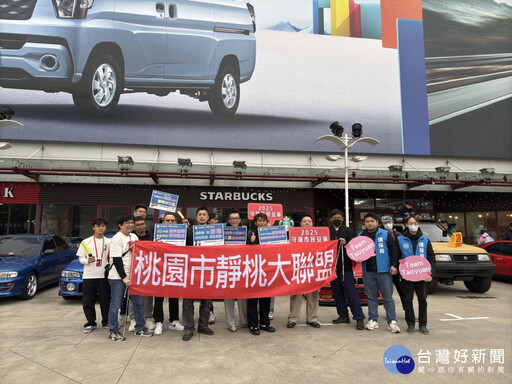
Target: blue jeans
x=117 y=288
x=340 y=288
x=374 y=281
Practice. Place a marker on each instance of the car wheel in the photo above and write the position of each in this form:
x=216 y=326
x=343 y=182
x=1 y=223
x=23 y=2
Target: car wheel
x=100 y=87
x=30 y=288
x=432 y=285
x=224 y=97
x=479 y=284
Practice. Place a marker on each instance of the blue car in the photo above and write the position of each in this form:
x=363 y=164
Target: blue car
x=71 y=281
x=29 y=262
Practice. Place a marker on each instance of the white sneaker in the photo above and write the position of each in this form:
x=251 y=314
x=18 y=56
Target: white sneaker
x=150 y=324
x=371 y=325
x=158 y=329
x=131 y=328
x=176 y=326
x=212 y=318
x=393 y=327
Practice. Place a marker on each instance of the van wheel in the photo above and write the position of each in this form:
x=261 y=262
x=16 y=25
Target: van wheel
x=432 y=285
x=478 y=284
x=224 y=97
x=30 y=288
x=100 y=87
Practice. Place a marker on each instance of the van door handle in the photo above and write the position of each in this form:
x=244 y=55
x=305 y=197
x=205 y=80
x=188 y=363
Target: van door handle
x=160 y=10
x=172 y=11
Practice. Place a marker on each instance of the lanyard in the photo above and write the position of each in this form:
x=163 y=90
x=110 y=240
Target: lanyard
x=102 y=248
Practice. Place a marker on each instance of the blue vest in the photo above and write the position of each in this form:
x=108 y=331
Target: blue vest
x=381 y=251
x=406 y=247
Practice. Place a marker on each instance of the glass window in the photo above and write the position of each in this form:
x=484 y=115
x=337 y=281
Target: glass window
x=494 y=248
x=506 y=249
x=423 y=204
x=82 y=216
x=478 y=221
x=17 y=218
x=49 y=244
x=56 y=219
x=389 y=204
x=504 y=219
x=364 y=203
x=455 y=221
x=62 y=246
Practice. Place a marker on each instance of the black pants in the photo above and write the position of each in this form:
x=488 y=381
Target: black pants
x=252 y=312
x=397 y=281
x=158 y=309
x=96 y=289
x=420 y=287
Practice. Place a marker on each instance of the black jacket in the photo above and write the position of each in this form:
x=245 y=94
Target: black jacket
x=508 y=235
x=371 y=263
x=348 y=234
x=414 y=240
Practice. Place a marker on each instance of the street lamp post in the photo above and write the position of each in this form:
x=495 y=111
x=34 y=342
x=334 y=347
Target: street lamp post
x=344 y=143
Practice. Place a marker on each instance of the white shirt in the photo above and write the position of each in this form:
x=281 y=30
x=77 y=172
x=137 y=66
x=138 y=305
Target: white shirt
x=99 y=248
x=118 y=246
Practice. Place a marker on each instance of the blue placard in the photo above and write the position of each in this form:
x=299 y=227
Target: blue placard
x=273 y=235
x=235 y=235
x=164 y=201
x=171 y=233
x=211 y=234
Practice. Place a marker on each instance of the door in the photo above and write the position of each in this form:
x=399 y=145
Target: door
x=141 y=34
x=111 y=213
x=504 y=259
x=48 y=261
x=190 y=40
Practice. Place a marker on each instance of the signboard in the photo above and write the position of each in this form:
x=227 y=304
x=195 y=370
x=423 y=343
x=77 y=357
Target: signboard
x=171 y=233
x=235 y=235
x=360 y=248
x=309 y=234
x=225 y=272
x=164 y=201
x=287 y=222
x=415 y=268
x=455 y=240
x=273 y=235
x=210 y=234
x=273 y=211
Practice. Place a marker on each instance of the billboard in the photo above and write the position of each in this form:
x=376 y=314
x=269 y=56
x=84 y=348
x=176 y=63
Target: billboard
x=196 y=74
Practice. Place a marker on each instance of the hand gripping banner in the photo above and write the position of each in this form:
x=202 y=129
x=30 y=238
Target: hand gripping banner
x=229 y=272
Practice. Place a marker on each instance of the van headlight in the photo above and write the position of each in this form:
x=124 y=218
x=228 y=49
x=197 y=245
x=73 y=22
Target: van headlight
x=442 y=257
x=71 y=9
x=484 y=257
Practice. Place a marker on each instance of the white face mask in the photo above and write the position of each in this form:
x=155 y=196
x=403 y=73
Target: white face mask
x=413 y=228
x=388 y=226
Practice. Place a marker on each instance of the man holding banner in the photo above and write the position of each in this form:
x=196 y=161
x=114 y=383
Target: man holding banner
x=345 y=283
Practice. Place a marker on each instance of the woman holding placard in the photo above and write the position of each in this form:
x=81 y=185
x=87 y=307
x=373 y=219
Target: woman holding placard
x=415 y=271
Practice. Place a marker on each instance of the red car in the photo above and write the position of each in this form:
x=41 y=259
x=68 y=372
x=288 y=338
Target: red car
x=501 y=255
x=326 y=296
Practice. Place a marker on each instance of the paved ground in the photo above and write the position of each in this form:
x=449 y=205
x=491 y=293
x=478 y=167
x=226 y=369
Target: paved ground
x=41 y=341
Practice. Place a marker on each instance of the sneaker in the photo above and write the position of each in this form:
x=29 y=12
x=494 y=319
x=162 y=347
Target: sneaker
x=424 y=330
x=254 y=331
x=89 y=328
x=187 y=335
x=131 y=328
x=271 y=315
x=176 y=326
x=393 y=327
x=150 y=324
x=231 y=328
x=212 y=318
x=314 y=324
x=341 y=320
x=205 y=331
x=360 y=325
x=116 y=336
x=410 y=329
x=290 y=324
x=371 y=325
x=267 y=328
x=144 y=333
x=158 y=328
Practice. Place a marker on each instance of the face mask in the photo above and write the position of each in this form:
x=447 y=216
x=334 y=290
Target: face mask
x=388 y=226
x=337 y=223
x=413 y=228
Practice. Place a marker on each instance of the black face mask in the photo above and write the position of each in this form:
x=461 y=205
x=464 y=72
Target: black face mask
x=337 y=223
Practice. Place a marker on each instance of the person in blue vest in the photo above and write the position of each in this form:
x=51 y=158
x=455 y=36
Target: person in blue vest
x=414 y=243
x=377 y=273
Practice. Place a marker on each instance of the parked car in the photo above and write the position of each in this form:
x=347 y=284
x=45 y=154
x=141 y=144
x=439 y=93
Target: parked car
x=71 y=282
x=97 y=50
x=28 y=262
x=500 y=252
x=466 y=263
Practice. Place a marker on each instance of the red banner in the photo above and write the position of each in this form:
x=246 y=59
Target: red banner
x=230 y=272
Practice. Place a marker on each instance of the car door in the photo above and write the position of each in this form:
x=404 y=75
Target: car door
x=141 y=34
x=505 y=259
x=190 y=41
x=64 y=255
x=47 y=261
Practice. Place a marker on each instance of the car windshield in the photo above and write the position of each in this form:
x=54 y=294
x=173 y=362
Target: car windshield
x=434 y=232
x=20 y=246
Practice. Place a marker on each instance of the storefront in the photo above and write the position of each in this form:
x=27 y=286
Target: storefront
x=18 y=207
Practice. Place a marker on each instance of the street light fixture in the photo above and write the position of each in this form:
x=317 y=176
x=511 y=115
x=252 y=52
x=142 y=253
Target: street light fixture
x=344 y=143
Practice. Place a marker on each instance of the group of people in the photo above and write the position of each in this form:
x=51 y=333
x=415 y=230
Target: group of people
x=107 y=264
